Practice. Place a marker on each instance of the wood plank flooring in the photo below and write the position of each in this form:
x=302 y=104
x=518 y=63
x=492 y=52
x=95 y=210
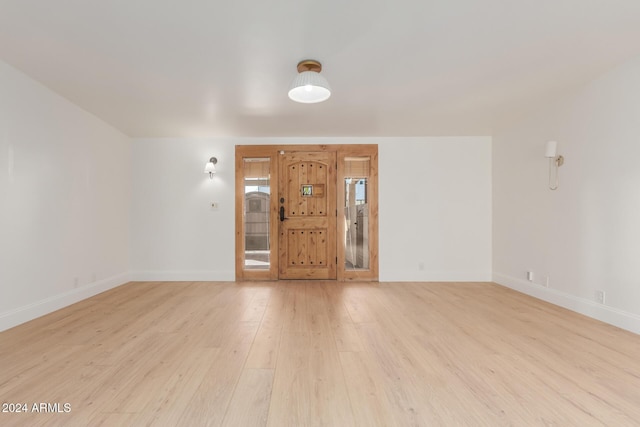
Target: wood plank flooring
x=315 y=353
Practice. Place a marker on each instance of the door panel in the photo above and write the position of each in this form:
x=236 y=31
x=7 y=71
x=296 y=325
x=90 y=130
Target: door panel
x=307 y=196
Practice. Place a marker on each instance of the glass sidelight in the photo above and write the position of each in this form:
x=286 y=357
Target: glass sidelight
x=257 y=202
x=356 y=213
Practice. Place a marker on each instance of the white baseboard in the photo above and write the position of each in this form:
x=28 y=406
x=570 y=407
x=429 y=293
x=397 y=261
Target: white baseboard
x=604 y=313
x=184 y=276
x=23 y=314
x=434 y=276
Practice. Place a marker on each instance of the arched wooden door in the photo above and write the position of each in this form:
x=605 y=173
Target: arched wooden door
x=307 y=215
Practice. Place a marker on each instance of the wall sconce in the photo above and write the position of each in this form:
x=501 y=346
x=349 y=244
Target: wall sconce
x=210 y=167
x=555 y=161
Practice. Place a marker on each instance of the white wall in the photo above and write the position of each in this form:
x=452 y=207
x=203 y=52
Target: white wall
x=175 y=233
x=435 y=207
x=64 y=201
x=586 y=235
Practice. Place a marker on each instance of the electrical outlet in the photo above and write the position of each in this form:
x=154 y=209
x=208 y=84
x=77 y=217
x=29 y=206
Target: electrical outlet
x=214 y=206
x=600 y=296
x=546 y=281
x=421 y=266
x=530 y=276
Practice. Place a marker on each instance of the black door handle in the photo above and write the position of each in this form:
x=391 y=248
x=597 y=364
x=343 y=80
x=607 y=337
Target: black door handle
x=282 y=218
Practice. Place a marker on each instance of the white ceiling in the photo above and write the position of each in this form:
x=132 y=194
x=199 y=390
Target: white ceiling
x=156 y=68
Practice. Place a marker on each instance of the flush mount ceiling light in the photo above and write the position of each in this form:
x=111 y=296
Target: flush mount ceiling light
x=309 y=86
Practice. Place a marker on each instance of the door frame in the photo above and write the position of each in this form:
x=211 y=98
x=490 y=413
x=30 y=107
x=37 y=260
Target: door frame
x=271 y=152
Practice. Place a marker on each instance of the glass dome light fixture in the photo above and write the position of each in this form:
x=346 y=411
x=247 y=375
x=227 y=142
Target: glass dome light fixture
x=309 y=87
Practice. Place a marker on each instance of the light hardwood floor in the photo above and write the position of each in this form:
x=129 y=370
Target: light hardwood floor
x=320 y=354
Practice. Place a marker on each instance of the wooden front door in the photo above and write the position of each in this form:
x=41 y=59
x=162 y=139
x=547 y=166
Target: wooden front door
x=307 y=215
